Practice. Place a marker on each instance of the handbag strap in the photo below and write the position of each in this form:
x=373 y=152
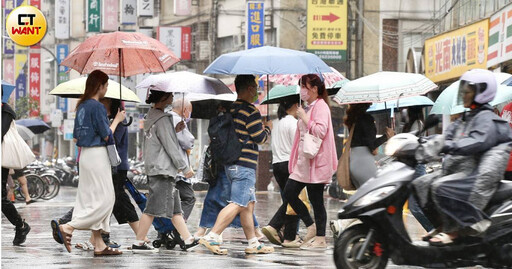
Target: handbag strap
x=311 y=116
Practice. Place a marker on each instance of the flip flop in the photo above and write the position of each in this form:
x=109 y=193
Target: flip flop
x=213 y=246
x=85 y=246
x=430 y=235
x=66 y=238
x=108 y=251
x=444 y=238
x=56 y=232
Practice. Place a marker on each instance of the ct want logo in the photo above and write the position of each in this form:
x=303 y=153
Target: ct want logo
x=26 y=25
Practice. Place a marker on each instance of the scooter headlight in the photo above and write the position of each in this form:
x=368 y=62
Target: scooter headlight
x=375 y=196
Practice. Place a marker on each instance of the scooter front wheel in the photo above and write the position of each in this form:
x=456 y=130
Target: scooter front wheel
x=350 y=242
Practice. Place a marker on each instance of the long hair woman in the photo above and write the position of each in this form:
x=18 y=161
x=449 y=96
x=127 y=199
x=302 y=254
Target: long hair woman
x=95 y=195
x=313 y=173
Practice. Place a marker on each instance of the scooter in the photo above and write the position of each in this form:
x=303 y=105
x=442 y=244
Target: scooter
x=380 y=234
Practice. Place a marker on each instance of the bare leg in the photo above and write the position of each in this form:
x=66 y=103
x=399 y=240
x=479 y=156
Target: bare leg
x=144 y=224
x=98 y=243
x=225 y=217
x=201 y=231
x=247 y=221
x=24 y=188
x=135 y=227
x=179 y=223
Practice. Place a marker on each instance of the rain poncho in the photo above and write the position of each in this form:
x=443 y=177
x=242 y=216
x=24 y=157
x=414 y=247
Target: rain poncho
x=477 y=149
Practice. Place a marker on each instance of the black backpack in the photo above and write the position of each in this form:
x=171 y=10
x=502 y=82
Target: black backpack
x=224 y=144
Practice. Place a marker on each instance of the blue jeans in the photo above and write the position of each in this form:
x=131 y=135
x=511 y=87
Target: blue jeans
x=216 y=199
x=243 y=181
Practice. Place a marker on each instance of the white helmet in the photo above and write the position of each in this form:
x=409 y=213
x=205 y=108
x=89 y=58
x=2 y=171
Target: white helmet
x=482 y=81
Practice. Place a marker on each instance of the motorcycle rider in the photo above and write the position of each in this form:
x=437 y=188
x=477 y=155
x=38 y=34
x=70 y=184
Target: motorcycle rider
x=454 y=198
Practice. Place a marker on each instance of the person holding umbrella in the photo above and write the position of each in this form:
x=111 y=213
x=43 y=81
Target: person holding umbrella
x=95 y=195
x=162 y=166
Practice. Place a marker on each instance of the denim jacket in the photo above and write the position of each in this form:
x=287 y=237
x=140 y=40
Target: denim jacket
x=91 y=124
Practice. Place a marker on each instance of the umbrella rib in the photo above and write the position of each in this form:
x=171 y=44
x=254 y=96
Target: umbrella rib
x=158 y=60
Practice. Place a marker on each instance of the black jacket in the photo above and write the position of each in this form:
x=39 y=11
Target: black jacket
x=365 y=132
x=8 y=115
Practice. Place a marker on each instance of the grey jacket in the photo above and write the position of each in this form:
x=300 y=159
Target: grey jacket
x=161 y=147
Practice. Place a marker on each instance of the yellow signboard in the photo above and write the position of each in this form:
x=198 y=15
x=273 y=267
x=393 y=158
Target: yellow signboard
x=327 y=25
x=449 y=55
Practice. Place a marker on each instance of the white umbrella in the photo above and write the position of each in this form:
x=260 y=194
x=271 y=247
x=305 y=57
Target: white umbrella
x=383 y=86
x=24 y=132
x=185 y=82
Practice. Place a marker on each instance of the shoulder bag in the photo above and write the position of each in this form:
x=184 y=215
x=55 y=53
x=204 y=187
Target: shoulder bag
x=113 y=156
x=343 y=171
x=16 y=154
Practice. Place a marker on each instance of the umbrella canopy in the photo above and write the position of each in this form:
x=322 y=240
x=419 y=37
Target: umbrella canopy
x=446 y=102
x=330 y=78
x=37 y=126
x=402 y=102
x=268 y=60
x=76 y=87
x=383 y=86
x=121 y=54
x=186 y=82
x=24 y=132
x=7 y=89
x=278 y=92
x=204 y=106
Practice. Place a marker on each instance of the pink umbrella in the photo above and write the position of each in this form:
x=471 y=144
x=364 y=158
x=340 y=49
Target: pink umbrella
x=292 y=79
x=121 y=53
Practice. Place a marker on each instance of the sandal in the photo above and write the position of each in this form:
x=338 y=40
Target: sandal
x=66 y=238
x=430 y=235
x=261 y=249
x=213 y=246
x=293 y=244
x=272 y=235
x=108 y=251
x=55 y=231
x=444 y=240
x=84 y=246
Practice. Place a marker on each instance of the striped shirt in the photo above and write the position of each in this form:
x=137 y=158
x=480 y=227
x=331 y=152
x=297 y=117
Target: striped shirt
x=250 y=131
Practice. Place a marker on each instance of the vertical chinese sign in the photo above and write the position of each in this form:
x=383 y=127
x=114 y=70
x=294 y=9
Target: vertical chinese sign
x=327 y=29
x=186 y=45
x=62 y=19
x=449 y=55
x=93 y=14
x=8 y=48
x=172 y=39
x=35 y=82
x=128 y=11
x=110 y=21
x=146 y=8
x=20 y=69
x=500 y=37
x=255 y=36
x=62 y=76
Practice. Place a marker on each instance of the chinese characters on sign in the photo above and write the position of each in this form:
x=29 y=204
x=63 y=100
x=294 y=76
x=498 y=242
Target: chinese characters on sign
x=8 y=43
x=186 y=43
x=35 y=81
x=20 y=66
x=93 y=18
x=128 y=11
x=146 y=8
x=327 y=29
x=63 y=76
x=177 y=39
x=110 y=10
x=449 y=55
x=62 y=19
x=255 y=36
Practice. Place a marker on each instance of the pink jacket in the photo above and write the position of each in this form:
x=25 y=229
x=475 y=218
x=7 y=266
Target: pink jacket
x=324 y=165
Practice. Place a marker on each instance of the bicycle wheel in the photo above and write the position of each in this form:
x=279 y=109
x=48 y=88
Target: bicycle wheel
x=18 y=194
x=35 y=186
x=51 y=186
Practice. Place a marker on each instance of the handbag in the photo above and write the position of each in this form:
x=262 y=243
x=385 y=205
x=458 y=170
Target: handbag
x=312 y=143
x=16 y=153
x=113 y=156
x=210 y=168
x=343 y=170
x=303 y=196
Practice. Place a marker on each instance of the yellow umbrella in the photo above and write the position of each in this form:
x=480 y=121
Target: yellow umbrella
x=76 y=87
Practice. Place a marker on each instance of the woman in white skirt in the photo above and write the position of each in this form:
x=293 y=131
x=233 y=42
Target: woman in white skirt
x=95 y=195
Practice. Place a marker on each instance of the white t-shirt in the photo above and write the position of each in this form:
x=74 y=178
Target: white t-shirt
x=283 y=134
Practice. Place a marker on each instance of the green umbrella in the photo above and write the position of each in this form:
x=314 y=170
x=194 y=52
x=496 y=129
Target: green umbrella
x=446 y=103
x=281 y=92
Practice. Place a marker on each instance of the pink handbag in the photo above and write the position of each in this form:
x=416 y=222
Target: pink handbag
x=312 y=143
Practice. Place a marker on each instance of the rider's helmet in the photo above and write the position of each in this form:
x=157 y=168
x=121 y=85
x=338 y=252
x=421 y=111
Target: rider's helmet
x=482 y=81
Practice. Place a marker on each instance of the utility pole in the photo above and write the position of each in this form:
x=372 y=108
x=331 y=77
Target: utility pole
x=213 y=29
x=359 y=39
x=272 y=31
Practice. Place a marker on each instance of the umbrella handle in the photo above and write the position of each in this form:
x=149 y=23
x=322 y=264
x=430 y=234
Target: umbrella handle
x=129 y=122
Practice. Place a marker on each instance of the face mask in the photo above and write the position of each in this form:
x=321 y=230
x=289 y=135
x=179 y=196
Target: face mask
x=187 y=120
x=304 y=94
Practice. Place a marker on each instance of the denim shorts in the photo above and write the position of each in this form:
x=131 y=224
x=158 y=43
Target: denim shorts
x=243 y=180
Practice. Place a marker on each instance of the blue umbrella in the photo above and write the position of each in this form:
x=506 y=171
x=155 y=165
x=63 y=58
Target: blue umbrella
x=37 y=126
x=268 y=60
x=403 y=102
x=7 y=89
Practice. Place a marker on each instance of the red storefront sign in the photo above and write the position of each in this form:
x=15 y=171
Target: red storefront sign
x=35 y=82
x=186 y=43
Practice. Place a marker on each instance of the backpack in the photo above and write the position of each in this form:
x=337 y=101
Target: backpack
x=224 y=144
x=210 y=168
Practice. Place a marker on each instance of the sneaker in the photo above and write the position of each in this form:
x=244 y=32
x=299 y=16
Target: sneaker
x=30 y=202
x=272 y=234
x=21 y=234
x=261 y=249
x=144 y=247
